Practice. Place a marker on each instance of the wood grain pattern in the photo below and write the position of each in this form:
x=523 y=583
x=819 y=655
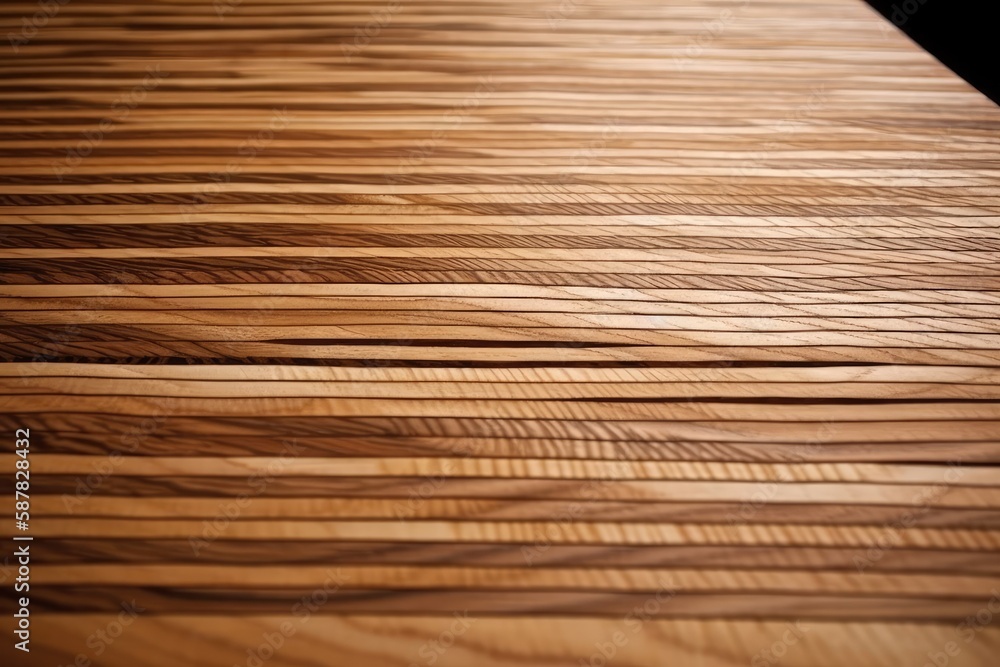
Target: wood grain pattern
x=462 y=333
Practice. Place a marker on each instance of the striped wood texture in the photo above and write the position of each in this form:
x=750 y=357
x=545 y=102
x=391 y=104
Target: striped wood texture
x=533 y=310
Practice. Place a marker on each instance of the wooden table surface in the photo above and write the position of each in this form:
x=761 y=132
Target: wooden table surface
x=495 y=334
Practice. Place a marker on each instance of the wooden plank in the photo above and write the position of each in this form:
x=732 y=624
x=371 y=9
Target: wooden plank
x=461 y=333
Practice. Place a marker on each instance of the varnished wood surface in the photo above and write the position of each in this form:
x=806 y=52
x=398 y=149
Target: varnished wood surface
x=535 y=313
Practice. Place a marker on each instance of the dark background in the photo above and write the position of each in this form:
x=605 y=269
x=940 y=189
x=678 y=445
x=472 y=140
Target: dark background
x=959 y=33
